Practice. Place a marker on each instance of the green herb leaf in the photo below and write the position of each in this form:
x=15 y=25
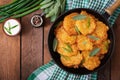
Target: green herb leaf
x=67 y=58
x=94 y=51
x=93 y=37
x=47 y=5
x=8 y=30
x=9 y=25
x=88 y=23
x=13 y=27
x=79 y=17
x=55 y=43
x=77 y=30
x=62 y=5
x=68 y=48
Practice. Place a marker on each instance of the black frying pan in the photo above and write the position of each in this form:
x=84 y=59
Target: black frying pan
x=103 y=18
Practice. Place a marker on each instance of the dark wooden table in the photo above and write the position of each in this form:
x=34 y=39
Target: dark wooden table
x=22 y=54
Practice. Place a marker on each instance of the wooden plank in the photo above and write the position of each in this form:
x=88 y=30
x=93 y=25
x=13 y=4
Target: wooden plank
x=115 y=64
x=2 y=2
x=47 y=26
x=31 y=46
x=9 y=56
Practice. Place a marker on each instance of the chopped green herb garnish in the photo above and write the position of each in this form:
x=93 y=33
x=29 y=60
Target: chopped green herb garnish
x=79 y=17
x=93 y=37
x=67 y=58
x=88 y=23
x=55 y=43
x=13 y=27
x=94 y=51
x=8 y=30
x=77 y=30
x=9 y=26
x=68 y=48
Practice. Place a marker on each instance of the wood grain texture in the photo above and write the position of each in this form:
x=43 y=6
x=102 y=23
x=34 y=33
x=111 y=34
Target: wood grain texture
x=31 y=46
x=9 y=56
x=47 y=27
x=115 y=62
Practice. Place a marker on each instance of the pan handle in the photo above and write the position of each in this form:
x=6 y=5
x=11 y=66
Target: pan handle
x=111 y=9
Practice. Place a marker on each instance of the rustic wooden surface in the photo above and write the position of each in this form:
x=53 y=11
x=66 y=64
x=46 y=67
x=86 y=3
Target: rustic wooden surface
x=22 y=54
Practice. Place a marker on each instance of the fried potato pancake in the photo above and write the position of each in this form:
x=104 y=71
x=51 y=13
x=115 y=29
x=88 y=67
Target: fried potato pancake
x=87 y=25
x=104 y=47
x=90 y=63
x=101 y=30
x=72 y=61
x=69 y=24
x=66 y=49
x=84 y=43
x=63 y=36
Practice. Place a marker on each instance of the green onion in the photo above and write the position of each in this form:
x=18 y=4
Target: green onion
x=63 y=6
x=88 y=23
x=14 y=9
x=68 y=48
x=25 y=9
x=12 y=5
x=14 y=27
x=66 y=58
x=31 y=3
x=27 y=12
x=2 y=13
x=55 y=43
x=9 y=26
x=79 y=17
x=18 y=6
x=94 y=52
x=93 y=37
x=8 y=30
x=3 y=6
x=77 y=30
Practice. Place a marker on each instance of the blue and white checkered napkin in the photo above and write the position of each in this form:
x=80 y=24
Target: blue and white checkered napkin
x=51 y=71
